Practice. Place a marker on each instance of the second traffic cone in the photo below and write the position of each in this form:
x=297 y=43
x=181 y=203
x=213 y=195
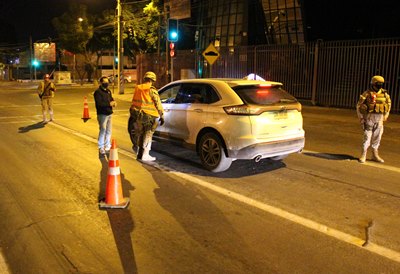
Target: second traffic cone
x=114 y=198
x=85 y=115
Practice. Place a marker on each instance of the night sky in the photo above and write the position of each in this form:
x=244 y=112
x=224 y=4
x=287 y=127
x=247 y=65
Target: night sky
x=33 y=17
x=325 y=19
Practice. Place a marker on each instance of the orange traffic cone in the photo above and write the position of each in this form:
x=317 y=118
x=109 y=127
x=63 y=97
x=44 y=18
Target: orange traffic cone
x=114 y=197
x=85 y=116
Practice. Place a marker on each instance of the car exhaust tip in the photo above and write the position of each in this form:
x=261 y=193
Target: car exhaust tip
x=257 y=158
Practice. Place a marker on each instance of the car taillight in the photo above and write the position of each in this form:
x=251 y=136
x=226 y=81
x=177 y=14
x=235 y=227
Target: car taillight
x=263 y=92
x=243 y=110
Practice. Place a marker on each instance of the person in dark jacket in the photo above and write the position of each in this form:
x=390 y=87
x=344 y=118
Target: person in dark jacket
x=104 y=107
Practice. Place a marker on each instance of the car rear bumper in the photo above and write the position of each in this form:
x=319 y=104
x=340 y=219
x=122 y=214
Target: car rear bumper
x=270 y=149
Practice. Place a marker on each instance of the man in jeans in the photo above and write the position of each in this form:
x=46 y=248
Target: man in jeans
x=104 y=107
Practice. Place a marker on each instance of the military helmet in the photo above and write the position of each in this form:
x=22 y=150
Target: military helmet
x=46 y=76
x=377 y=79
x=150 y=75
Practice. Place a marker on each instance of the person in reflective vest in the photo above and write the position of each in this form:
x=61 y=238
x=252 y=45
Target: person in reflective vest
x=46 y=91
x=146 y=112
x=373 y=109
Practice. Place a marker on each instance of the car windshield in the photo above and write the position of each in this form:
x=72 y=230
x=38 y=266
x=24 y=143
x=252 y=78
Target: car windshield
x=263 y=95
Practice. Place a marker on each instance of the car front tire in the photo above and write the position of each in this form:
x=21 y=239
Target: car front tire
x=212 y=153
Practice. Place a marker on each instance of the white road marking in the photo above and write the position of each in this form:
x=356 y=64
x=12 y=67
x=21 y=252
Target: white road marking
x=342 y=236
x=3 y=265
x=38 y=105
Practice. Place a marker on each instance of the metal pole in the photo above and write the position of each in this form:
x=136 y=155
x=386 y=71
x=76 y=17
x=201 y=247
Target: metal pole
x=166 y=12
x=31 y=57
x=315 y=74
x=74 y=69
x=172 y=69
x=119 y=44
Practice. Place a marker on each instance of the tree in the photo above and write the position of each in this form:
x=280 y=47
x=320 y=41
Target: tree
x=140 y=27
x=140 y=23
x=74 y=35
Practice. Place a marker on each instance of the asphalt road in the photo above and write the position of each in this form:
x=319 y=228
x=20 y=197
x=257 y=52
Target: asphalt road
x=316 y=212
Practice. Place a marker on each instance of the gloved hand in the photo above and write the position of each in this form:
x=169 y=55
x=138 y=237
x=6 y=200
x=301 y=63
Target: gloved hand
x=161 y=120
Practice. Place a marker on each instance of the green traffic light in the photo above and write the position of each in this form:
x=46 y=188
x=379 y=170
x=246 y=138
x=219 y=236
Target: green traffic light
x=172 y=30
x=174 y=35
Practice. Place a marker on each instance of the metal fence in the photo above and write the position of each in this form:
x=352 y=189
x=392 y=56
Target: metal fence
x=323 y=73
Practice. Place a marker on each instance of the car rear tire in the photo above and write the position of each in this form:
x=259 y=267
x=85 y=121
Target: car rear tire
x=212 y=154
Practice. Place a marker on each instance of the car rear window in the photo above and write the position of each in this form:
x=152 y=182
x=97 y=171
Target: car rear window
x=264 y=95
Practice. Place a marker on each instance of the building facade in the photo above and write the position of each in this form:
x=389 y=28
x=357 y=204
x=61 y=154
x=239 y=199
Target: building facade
x=232 y=23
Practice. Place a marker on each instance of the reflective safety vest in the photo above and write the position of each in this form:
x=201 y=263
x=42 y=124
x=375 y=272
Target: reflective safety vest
x=142 y=100
x=376 y=102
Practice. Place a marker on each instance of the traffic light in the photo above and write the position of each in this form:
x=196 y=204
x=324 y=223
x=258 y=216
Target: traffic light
x=35 y=63
x=172 y=30
x=172 y=49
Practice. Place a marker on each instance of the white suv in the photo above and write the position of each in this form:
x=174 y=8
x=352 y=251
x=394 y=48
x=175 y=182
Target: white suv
x=229 y=119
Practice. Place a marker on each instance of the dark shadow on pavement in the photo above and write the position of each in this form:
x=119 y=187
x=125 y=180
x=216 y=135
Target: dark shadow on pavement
x=37 y=125
x=122 y=226
x=238 y=169
x=330 y=156
x=103 y=177
x=204 y=221
x=121 y=221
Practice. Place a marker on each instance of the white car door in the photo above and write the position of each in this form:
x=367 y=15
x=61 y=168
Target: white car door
x=188 y=113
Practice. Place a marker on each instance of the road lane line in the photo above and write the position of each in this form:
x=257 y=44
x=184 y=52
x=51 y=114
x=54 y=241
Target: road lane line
x=3 y=265
x=342 y=236
x=38 y=105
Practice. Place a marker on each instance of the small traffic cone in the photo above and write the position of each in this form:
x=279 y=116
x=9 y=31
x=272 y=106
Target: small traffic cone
x=85 y=116
x=114 y=198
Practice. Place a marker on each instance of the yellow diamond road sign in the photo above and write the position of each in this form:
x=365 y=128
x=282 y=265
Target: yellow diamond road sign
x=211 y=54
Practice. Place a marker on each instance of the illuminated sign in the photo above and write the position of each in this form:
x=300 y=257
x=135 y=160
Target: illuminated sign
x=45 y=52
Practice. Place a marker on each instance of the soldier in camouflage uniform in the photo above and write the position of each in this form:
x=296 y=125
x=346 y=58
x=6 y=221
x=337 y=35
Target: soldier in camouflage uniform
x=373 y=109
x=46 y=91
x=145 y=110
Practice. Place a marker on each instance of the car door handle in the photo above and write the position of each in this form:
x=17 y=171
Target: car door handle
x=198 y=110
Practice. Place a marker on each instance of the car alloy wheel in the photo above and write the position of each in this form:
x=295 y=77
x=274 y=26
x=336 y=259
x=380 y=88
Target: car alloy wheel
x=212 y=153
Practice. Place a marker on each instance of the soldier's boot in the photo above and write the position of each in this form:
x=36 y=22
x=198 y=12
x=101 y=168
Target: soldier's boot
x=139 y=154
x=146 y=149
x=375 y=156
x=363 y=156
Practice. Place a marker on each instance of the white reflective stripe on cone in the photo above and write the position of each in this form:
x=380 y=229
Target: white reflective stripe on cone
x=114 y=171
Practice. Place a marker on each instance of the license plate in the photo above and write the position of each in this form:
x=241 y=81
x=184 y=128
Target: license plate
x=281 y=115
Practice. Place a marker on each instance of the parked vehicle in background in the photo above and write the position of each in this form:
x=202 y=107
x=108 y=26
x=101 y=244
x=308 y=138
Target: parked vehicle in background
x=127 y=78
x=228 y=119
